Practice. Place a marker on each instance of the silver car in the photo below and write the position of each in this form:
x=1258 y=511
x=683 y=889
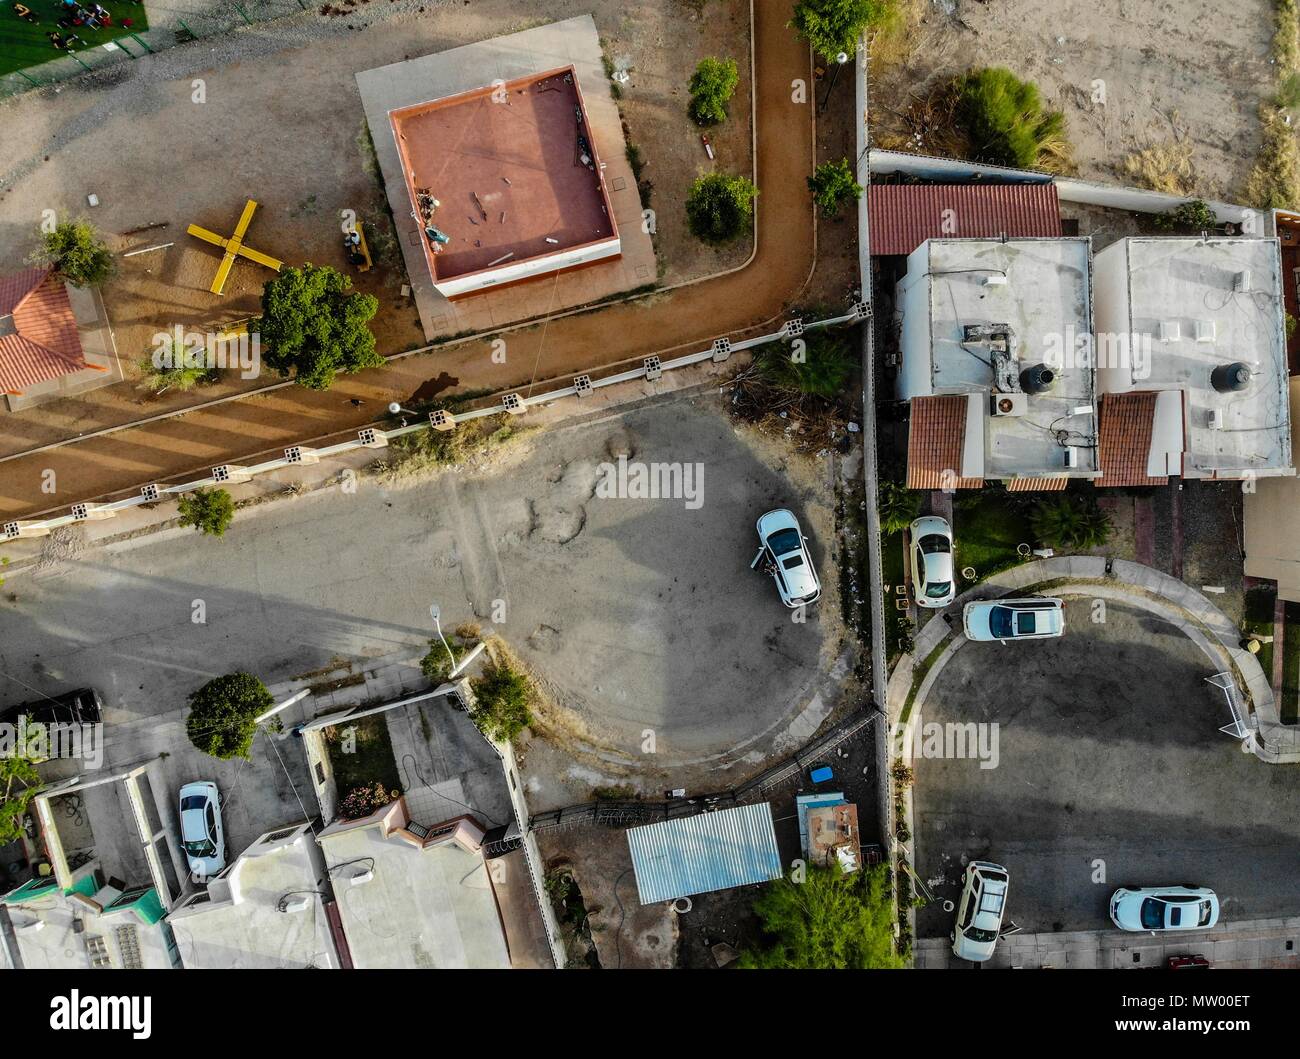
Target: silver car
x=933 y=584
x=783 y=553
x=202 y=836
x=1161 y=908
x=1032 y=618
x=979 y=914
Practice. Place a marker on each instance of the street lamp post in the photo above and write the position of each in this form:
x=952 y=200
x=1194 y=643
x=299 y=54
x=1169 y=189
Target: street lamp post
x=840 y=60
x=435 y=613
x=394 y=408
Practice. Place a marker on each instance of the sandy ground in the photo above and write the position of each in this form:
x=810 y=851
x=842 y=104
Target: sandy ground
x=687 y=318
x=1173 y=69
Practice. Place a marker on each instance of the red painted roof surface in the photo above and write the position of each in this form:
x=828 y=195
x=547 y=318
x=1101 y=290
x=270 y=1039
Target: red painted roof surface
x=38 y=333
x=934 y=444
x=1127 y=420
x=903 y=216
x=1037 y=485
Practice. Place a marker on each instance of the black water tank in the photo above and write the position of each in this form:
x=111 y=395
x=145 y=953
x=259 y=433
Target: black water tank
x=1037 y=378
x=1227 y=378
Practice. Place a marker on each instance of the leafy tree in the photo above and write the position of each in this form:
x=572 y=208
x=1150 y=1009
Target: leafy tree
x=19 y=782
x=313 y=324
x=819 y=367
x=833 y=185
x=834 y=26
x=830 y=920
x=78 y=254
x=1004 y=118
x=712 y=86
x=719 y=207
x=504 y=698
x=222 y=712
x=898 y=505
x=210 y=511
x=1070 y=521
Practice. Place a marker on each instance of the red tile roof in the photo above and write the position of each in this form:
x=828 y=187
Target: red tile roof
x=1124 y=440
x=38 y=333
x=903 y=216
x=934 y=444
x=1037 y=485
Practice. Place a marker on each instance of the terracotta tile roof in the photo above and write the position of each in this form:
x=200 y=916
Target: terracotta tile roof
x=1037 y=485
x=1127 y=420
x=903 y=216
x=934 y=444
x=38 y=332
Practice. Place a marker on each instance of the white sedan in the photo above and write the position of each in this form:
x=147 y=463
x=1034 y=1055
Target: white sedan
x=202 y=836
x=1032 y=618
x=1158 y=908
x=933 y=584
x=783 y=553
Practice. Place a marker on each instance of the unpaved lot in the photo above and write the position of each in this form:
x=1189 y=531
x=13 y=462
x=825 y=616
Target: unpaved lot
x=1190 y=70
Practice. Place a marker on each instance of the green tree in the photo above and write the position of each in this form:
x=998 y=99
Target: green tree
x=833 y=185
x=77 y=253
x=504 y=699
x=222 y=712
x=1004 y=119
x=210 y=511
x=1191 y=216
x=719 y=207
x=19 y=782
x=436 y=665
x=898 y=505
x=820 y=366
x=829 y=921
x=173 y=366
x=834 y=26
x=712 y=86
x=1070 y=521
x=313 y=324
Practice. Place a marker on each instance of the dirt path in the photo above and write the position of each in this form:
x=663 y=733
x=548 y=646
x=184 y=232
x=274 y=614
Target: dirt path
x=241 y=430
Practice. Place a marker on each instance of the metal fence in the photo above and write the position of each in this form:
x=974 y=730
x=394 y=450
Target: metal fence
x=178 y=22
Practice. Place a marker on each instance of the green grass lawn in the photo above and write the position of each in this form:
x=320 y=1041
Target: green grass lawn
x=373 y=756
x=987 y=528
x=23 y=45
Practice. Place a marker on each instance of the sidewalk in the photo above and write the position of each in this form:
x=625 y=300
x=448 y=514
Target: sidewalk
x=1253 y=943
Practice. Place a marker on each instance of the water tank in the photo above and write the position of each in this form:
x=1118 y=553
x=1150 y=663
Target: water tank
x=1228 y=378
x=1037 y=378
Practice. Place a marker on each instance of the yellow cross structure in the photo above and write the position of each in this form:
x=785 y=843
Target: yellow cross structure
x=234 y=247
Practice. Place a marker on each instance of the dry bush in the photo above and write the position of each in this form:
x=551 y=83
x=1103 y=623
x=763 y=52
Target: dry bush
x=1274 y=183
x=1163 y=167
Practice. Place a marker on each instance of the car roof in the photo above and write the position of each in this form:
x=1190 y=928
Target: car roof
x=778 y=519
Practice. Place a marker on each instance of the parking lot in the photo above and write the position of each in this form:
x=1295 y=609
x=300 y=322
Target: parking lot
x=1110 y=771
x=637 y=615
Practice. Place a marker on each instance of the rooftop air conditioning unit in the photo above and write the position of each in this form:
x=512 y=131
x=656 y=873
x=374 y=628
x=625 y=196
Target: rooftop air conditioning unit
x=296 y=903
x=1009 y=404
x=361 y=877
x=1241 y=281
x=1205 y=331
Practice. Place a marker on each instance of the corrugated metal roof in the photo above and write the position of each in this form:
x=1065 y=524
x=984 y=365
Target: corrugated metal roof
x=699 y=854
x=903 y=216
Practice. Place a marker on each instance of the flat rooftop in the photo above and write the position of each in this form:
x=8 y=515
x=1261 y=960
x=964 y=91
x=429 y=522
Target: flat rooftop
x=237 y=922
x=513 y=167
x=1046 y=300
x=1191 y=283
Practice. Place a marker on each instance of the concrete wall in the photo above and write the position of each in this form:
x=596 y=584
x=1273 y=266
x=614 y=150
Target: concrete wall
x=912 y=301
x=542 y=266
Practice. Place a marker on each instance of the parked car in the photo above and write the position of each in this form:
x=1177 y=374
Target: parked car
x=783 y=553
x=202 y=835
x=1160 y=908
x=82 y=706
x=979 y=913
x=933 y=584
x=1032 y=618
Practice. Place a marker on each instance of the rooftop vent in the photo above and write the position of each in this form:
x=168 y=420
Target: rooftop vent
x=1170 y=331
x=1205 y=331
x=1037 y=378
x=1230 y=378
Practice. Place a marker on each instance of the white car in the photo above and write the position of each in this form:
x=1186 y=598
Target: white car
x=202 y=835
x=933 y=584
x=1159 y=908
x=1032 y=618
x=783 y=553
x=979 y=913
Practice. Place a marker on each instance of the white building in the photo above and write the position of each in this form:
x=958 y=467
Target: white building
x=994 y=360
x=267 y=909
x=1191 y=360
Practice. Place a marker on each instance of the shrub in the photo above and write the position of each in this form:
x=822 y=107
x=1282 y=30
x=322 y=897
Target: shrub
x=833 y=185
x=172 y=366
x=222 y=712
x=210 y=511
x=834 y=26
x=19 y=784
x=436 y=665
x=819 y=367
x=712 y=86
x=720 y=207
x=366 y=799
x=1004 y=119
x=77 y=253
x=898 y=505
x=504 y=698
x=1070 y=521
x=1193 y=216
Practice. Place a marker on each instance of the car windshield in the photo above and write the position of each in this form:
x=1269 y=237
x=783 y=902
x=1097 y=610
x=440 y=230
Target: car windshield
x=782 y=541
x=1000 y=622
x=199 y=849
x=1153 y=914
x=932 y=543
x=1207 y=910
x=976 y=934
x=938 y=589
x=194 y=801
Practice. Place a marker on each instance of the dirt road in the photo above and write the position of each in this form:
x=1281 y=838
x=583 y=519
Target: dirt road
x=259 y=426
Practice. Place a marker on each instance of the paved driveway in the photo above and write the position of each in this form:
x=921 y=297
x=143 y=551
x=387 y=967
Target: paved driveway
x=1108 y=756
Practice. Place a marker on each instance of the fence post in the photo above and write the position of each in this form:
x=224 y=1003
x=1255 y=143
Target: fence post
x=243 y=14
x=140 y=42
x=30 y=80
x=124 y=48
x=78 y=61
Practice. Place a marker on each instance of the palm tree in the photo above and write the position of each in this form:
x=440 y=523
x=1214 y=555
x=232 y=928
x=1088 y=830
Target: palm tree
x=819 y=366
x=173 y=367
x=898 y=506
x=1071 y=522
